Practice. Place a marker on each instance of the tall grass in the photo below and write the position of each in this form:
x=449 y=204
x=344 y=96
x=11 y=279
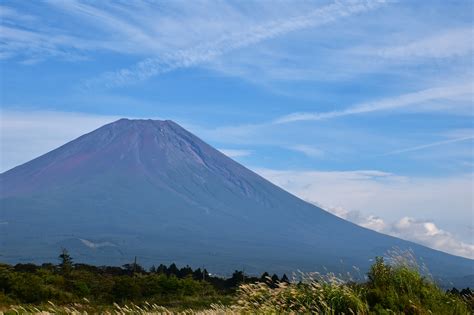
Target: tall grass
x=398 y=286
x=316 y=295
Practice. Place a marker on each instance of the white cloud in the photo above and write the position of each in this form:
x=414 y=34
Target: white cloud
x=447 y=44
x=374 y=223
x=308 y=150
x=377 y=200
x=371 y=221
x=402 y=101
x=233 y=153
x=95 y=245
x=427 y=233
x=423 y=232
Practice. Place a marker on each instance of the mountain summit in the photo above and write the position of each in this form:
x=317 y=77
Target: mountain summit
x=151 y=189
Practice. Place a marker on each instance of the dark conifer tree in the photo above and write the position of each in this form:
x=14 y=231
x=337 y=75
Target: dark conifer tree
x=236 y=279
x=275 y=278
x=198 y=274
x=173 y=270
x=162 y=269
x=264 y=277
x=65 y=264
x=185 y=272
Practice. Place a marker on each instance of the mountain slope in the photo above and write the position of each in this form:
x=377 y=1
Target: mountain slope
x=151 y=189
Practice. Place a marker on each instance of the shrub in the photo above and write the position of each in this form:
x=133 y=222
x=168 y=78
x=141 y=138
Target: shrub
x=401 y=288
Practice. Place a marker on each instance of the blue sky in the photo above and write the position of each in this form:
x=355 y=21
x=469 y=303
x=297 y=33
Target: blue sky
x=362 y=107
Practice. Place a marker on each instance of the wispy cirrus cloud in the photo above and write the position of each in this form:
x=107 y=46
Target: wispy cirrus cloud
x=172 y=35
x=35 y=38
x=463 y=91
x=429 y=145
x=446 y=44
x=39 y=46
x=114 y=23
x=7 y=13
x=209 y=50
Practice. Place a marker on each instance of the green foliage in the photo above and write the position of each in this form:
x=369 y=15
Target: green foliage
x=402 y=289
x=396 y=288
x=19 y=285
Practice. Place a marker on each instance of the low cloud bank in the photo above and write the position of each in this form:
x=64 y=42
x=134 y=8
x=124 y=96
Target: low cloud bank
x=406 y=201
x=424 y=232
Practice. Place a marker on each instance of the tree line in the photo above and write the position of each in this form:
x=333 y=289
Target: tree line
x=68 y=282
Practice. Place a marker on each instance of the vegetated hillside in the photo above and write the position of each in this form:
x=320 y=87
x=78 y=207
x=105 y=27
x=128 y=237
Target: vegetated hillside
x=151 y=189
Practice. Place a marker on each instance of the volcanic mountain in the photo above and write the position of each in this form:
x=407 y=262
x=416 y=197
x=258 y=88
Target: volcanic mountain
x=151 y=189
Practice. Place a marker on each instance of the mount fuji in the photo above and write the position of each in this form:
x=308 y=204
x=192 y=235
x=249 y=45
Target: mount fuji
x=151 y=189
